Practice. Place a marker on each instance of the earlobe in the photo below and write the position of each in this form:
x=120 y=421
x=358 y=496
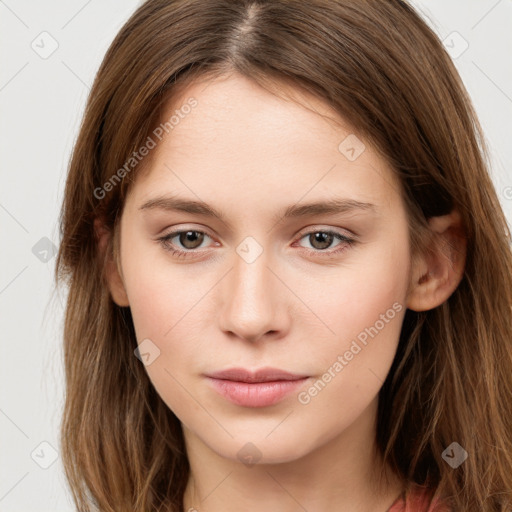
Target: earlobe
x=111 y=272
x=437 y=273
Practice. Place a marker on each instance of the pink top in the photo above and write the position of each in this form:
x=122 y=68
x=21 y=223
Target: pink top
x=417 y=501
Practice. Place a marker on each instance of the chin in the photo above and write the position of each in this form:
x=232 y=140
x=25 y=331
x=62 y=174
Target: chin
x=252 y=447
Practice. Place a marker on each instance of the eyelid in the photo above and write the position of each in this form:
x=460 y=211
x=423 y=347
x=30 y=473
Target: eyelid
x=329 y=229
x=177 y=230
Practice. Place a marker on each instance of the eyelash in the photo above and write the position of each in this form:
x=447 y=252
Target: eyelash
x=313 y=252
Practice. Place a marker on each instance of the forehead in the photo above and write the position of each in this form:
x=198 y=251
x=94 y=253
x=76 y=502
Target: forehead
x=242 y=141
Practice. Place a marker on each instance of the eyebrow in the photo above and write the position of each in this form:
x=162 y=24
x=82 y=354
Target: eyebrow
x=327 y=207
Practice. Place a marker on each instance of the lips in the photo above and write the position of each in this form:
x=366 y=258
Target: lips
x=262 y=375
x=260 y=388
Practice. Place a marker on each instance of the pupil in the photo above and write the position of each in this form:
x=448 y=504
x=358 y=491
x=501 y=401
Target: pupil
x=190 y=239
x=325 y=240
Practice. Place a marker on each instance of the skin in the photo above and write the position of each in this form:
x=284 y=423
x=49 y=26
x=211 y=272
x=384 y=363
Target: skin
x=250 y=154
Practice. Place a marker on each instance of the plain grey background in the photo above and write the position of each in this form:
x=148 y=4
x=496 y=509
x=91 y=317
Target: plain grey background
x=49 y=55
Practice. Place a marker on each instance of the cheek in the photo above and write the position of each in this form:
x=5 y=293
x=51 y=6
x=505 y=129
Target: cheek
x=164 y=305
x=364 y=306
x=353 y=296
x=160 y=291
x=168 y=302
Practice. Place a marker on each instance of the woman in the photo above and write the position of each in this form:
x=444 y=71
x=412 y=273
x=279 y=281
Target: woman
x=290 y=276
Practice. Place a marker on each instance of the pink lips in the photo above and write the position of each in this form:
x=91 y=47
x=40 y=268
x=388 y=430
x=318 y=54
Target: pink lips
x=262 y=388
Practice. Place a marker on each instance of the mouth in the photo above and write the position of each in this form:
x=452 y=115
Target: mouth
x=261 y=388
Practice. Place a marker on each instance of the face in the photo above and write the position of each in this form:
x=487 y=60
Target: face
x=302 y=269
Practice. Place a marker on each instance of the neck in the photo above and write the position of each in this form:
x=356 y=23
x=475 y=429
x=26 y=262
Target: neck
x=345 y=474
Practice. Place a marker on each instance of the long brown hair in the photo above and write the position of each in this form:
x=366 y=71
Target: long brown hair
x=380 y=66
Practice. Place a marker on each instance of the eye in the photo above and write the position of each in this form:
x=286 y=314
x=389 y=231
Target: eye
x=321 y=240
x=190 y=240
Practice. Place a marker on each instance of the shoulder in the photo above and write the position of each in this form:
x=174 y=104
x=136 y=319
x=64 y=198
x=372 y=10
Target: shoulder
x=417 y=499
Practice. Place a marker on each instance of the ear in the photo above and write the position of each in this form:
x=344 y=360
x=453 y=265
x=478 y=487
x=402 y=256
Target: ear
x=112 y=273
x=436 y=274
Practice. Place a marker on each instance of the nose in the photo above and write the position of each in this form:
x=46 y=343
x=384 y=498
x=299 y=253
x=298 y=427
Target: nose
x=254 y=302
